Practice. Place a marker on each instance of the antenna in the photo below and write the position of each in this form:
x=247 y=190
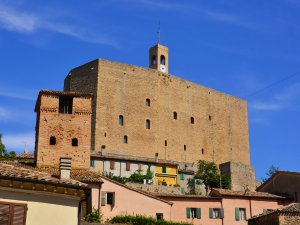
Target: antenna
x=158 y=33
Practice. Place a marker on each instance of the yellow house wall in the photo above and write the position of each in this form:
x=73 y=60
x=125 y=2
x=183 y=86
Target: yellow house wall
x=43 y=209
x=169 y=169
x=169 y=180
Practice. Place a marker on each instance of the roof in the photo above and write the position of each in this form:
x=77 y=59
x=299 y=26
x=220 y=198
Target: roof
x=288 y=209
x=133 y=158
x=184 y=196
x=25 y=156
x=19 y=173
x=151 y=195
x=254 y=194
x=61 y=93
x=86 y=176
x=277 y=174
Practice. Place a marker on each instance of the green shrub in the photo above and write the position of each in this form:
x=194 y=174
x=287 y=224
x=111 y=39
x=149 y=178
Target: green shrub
x=94 y=217
x=143 y=220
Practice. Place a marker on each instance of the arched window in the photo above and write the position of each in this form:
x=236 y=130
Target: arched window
x=202 y=150
x=52 y=140
x=192 y=120
x=147 y=124
x=184 y=147
x=125 y=139
x=153 y=60
x=162 y=60
x=74 y=142
x=175 y=115
x=121 y=120
x=148 y=102
x=166 y=143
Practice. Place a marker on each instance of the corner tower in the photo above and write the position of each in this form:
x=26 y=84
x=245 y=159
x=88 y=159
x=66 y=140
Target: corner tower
x=159 y=58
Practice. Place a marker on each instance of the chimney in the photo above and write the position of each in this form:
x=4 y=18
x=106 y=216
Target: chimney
x=26 y=151
x=156 y=157
x=65 y=168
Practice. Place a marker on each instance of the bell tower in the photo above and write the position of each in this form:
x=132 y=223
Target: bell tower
x=159 y=58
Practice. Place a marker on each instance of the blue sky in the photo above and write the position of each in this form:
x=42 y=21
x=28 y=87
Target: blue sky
x=237 y=47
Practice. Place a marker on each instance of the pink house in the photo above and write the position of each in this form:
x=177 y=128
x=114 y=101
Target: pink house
x=221 y=207
x=118 y=199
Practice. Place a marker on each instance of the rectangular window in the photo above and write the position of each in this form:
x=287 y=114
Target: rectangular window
x=107 y=198
x=13 y=213
x=127 y=166
x=193 y=213
x=92 y=163
x=215 y=213
x=112 y=165
x=163 y=169
x=182 y=190
x=65 y=105
x=159 y=216
x=240 y=214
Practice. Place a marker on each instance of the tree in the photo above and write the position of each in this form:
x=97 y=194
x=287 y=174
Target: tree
x=272 y=169
x=4 y=155
x=210 y=175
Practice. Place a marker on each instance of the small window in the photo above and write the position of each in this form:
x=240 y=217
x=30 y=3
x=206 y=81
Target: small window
x=13 y=213
x=110 y=198
x=92 y=163
x=240 y=214
x=192 y=120
x=175 y=115
x=182 y=191
x=194 y=213
x=162 y=60
x=65 y=104
x=148 y=103
x=52 y=140
x=202 y=150
x=105 y=134
x=74 y=142
x=215 y=213
x=127 y=166
x=112 y=165
x=184 y=147
x=153 y=60
x=125 y=139
x=166 y=143
x=163 y=169
x=147 y=124
x=159 y=216
x=209 y=117
x=121 y=120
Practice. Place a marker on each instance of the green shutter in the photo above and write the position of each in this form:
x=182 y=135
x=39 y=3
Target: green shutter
x=222 y=213
x=182 y=190
x=188 y=213
x=103 y=198
x=164 y=169
x=199 y=213
x=237 y=214
x=182 y=176
x=92 y=163
x=210 y=213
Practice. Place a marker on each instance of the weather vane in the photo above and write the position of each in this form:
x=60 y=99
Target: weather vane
x=158 y=33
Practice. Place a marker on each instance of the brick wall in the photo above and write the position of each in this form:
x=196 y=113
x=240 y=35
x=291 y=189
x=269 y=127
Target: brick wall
x=64 y=127
x=220 y=127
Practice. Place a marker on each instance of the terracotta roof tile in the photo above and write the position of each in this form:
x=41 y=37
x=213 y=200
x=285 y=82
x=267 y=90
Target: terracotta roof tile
x=183 y=196
x=254 y=194
x=18 y=172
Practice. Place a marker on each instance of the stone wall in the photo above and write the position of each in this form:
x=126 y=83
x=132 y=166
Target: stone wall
x=64 y=127
x=290 y=219
x=219 y=132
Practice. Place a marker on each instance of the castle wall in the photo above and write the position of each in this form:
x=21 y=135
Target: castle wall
x=220 y=121
x=64 y=127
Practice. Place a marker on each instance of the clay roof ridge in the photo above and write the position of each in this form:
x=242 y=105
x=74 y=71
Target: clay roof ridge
x=136 y=190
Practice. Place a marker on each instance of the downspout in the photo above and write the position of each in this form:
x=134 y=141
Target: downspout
x=222 y=209
x=99 y=195
x=250 y=203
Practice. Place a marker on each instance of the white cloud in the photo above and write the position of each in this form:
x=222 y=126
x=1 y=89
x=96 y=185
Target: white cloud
x=4 y=114
x=266 y=106
x=19 y=141
x=201 y=11
x=31 y=22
